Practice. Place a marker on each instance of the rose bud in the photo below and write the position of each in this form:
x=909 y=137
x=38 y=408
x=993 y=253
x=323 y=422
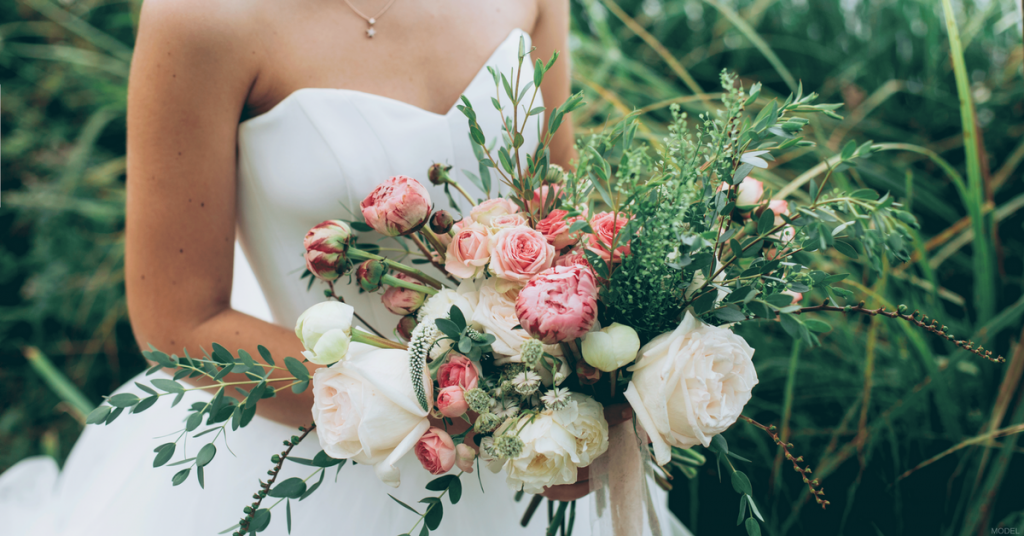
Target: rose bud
x=325 y=249
x=436 y=451
x=458 y=371
x=451 y=403
x=749 y=194
x=369 y=274
x=587 y=374
x=400 y=206
x=438 y=174
x=325 y=331
x=464 y=457
x=558 y=304
x=611 y=348
x=402 y=301
x=441 y=222
x=405 y=327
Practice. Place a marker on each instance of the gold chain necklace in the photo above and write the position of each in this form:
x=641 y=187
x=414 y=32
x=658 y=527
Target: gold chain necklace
x=370 y=21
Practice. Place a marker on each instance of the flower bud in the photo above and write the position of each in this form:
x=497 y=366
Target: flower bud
x=611 y=348
x=325 y=331
x=405 y=327
x=438 y=174
x=555 y=174
x=403 y=301
x=587 y=374
x=451 y=403
x=325 y=246
x=486 y=422
x=369 y=274
x=464 y=457
x=399 y=206
x=441 y=222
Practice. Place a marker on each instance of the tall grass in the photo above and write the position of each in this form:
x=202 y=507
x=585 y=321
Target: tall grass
x=907 y=434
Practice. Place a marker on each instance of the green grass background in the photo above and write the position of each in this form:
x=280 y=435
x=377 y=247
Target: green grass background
x=909 y=435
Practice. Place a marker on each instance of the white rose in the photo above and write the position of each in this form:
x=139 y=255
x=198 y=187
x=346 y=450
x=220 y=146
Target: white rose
x=325 y=331
x=549 y=456
x=366 y=410
x=438 y=305
x=611 y=347
x=584 y=418
x=690 y=384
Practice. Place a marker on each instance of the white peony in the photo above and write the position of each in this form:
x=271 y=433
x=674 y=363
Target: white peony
x=325 y=331
x=584 y=418
x=610 y=348
x=548 y=458
x=438 y=305
x=690 y=384
x=366 y=410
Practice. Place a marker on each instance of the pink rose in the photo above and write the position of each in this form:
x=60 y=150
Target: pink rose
x=750 y=191
x=468 y=252
x=606 y=226
x=573 y=259
x=540 y=198
x=436 y=451
x=325 y=248
x=492 y=208
x=518 y=253
x=559 y=304
x=555 y=227
x=779 y=207
x=451 y=402
x=399 y=206
x=464 y=457
x=458 y=371
x=507 y=220
x=403 y=301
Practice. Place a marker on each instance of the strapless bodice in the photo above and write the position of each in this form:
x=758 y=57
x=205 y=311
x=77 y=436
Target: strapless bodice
x=319 y=152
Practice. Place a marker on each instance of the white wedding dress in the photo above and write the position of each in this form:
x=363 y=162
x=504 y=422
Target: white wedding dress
x=312 y=157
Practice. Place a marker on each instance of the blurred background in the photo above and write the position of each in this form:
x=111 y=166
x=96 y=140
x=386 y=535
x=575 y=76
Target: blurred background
x=907 y=434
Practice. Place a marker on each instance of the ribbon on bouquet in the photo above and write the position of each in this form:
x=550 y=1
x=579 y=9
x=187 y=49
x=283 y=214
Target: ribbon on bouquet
x=619 y=483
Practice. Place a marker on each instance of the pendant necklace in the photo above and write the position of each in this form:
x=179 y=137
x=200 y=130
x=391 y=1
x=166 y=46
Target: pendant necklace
x=370 y=21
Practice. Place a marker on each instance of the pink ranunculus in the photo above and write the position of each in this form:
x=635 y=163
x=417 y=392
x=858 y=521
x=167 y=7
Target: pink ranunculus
x=606 y=226
x=325 y=248
x=458 y=371
x=451 y=403
x=559 y=304
x=555 y=227
x=403 y=301
x=492 y=208
x=505 y=221
x=519 y=253
x=468 y=252
x=436 y=451
x=399 y=206
x=750 y=191
x=464 y=457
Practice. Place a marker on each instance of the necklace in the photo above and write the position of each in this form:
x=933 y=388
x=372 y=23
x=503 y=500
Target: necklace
x=370 y=21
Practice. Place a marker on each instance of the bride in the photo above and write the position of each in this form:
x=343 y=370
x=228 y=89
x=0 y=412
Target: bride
x=250 y=121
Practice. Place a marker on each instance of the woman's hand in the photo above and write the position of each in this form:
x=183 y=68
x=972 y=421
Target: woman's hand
x=615 y=415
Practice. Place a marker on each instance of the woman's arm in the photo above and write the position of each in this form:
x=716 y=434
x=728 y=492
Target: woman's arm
x=192 y=69
x=551 y=33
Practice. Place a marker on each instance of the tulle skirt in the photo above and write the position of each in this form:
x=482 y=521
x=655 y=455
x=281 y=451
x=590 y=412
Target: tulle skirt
x=109 y=487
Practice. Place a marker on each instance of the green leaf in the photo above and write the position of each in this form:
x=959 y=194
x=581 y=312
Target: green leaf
x=741 y=483
x=113 y=415
x=170 y=386
x=766 y=222
x=123 y=400
x=323 y=460
x=163 y=454
x=145 y=388
x=865 y=193
x=753 y=529
x=296 y=368
x=265 y=354
x=206 y=454
x=98 y=415
x=193 y=421
x=292 y=488
x=180 y=476
x=314 y=486
x=848 y=150
x=434 y=512
x=221 y=354
x=411 y=509
x=456 y=316
x=260 y=520
x=779 y=300
x=455 y=491
x=440 y=483
x=300 y=387
x=201 y=477
x=145 y=404
x=845 y=248
x=705 y=302
x=448 y=328
x=817 y=326
x=730 y=314
x=288 y=514
x=790 y=324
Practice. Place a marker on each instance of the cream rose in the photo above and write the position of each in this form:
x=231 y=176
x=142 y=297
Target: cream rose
x=548 y=458
x=690 y=384
x=440 y=304
x=365 y=410
x=468 y=252
x=584 y=418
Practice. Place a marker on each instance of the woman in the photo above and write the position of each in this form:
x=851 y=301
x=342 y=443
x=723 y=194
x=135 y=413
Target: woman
x=238 y=129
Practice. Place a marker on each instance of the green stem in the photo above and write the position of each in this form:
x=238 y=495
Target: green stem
x=359 y=335
x=360 y=255
x=389 y=279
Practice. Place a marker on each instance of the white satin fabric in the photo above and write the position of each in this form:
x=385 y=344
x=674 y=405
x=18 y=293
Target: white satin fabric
x=312 y=157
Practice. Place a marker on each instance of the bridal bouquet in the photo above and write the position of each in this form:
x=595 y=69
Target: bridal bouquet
x=559 y=294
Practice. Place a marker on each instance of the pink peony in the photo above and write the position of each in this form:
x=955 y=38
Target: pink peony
x=458 y=371
x=464 y=457
x=399 y=206
x=325 y=249
x=436 y=451
x=492 y=208
x=519 y=253
x=555 y=227
x=750 y=192
x=451 y=402
x=559 y=304
x=402 y=301
x=606 y=226
x=468 y=251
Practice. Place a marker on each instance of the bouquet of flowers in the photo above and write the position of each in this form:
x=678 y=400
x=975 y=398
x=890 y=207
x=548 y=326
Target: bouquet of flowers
x=564 y=292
